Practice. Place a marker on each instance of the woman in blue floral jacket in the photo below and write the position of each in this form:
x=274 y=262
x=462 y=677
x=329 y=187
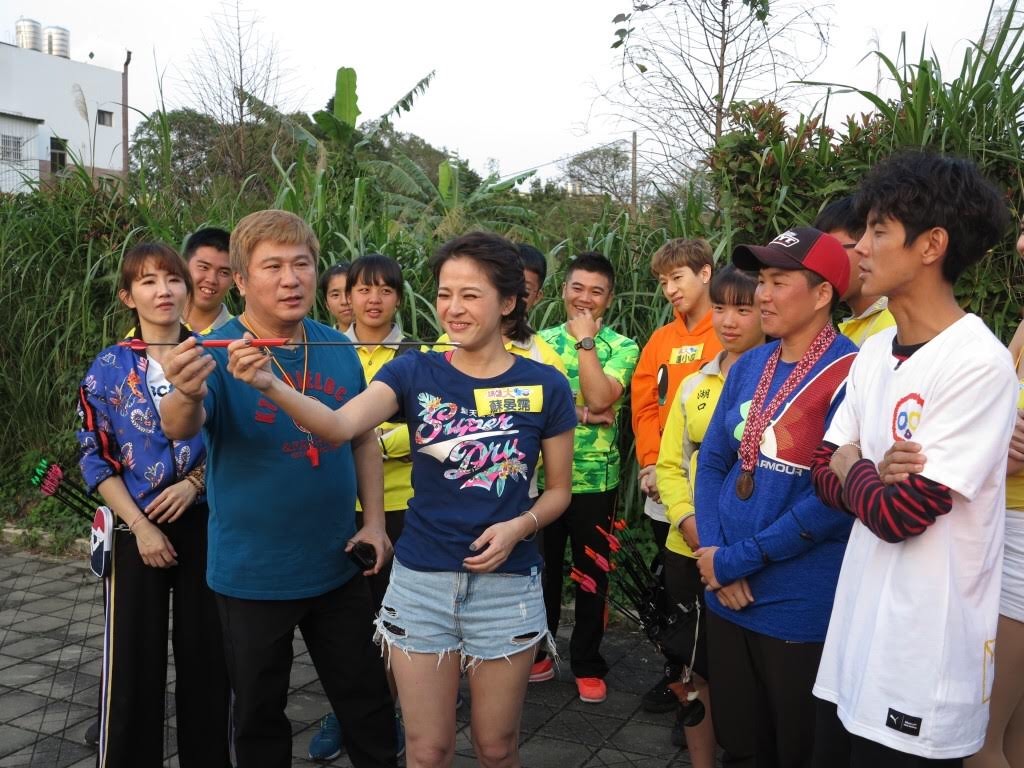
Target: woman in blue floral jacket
x=155 y=487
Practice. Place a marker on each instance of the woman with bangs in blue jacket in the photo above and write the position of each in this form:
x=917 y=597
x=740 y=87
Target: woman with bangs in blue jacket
x=155 y=488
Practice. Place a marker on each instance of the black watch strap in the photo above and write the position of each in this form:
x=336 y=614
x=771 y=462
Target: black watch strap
x=587 y=343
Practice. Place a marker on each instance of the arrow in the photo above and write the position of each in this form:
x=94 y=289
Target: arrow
x=599 y=560
x=586 y=582
x=138 y=345
x=51 y=481
x=613 y=542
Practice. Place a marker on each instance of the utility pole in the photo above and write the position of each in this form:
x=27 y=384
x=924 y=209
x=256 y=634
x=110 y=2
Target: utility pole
x=633 y=207
x=124 y=116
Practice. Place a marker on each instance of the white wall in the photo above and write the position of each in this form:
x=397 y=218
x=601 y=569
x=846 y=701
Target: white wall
x=19 y=167
x=41 y=86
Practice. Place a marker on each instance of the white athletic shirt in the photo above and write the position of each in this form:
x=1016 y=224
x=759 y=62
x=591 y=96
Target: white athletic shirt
x=157 y=382
x=908 y=658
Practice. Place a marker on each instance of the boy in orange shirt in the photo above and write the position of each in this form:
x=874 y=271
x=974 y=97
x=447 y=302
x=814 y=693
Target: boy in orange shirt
x=673 y=352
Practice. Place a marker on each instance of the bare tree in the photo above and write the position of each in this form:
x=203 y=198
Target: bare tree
x=602 y=171
x=235 y=59
x=685 y=62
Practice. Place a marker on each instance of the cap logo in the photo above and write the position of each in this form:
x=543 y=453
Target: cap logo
x=787 y=239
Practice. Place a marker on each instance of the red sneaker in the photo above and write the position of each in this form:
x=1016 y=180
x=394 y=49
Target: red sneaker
x=592 y=689
x=542 y=670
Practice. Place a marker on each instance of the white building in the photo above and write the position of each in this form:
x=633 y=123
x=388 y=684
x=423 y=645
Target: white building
x=54 y=110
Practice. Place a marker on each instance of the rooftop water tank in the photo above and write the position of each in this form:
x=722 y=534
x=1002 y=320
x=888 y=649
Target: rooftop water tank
x=28 y=33
x=57 y=42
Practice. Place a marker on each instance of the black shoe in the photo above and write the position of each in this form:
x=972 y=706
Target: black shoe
x=92 y=734
x=660 y=698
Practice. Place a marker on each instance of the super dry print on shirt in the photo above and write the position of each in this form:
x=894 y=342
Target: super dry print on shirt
x=481 y=442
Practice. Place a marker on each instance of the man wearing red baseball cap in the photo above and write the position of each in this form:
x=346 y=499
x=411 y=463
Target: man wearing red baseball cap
x=770 y=549
x=803 y=248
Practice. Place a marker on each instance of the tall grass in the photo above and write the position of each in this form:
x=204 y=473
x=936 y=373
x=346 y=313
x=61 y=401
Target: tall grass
x=61 y=249
x=61 y=246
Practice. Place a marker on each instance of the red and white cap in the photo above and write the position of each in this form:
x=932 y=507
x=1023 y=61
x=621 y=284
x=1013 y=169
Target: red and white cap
x=799 y=248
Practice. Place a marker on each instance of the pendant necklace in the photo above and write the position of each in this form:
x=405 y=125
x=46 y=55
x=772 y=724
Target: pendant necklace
x=758 y=417
x=312 y=452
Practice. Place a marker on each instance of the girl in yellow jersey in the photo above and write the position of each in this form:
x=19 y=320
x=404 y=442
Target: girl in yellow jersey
x=375 y=292
x=737 y=324
x=373 y=286
x=334 y=287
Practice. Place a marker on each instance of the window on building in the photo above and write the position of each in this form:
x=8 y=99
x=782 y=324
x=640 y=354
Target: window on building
x=10 y=148
x=58 y=154
x=103 y=117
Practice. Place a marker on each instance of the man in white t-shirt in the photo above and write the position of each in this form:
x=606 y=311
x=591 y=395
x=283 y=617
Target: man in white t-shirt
x=907 y=667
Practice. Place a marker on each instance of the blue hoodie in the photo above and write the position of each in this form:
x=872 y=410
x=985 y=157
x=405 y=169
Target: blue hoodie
x=783 y=540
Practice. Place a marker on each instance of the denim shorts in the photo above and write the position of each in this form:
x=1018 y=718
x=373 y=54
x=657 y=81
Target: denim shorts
x=480 y=616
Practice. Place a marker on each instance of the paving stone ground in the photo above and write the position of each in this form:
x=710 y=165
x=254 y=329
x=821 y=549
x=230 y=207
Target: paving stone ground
x=51 y=633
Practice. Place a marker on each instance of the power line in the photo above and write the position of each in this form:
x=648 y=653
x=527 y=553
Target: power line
x=564 y=158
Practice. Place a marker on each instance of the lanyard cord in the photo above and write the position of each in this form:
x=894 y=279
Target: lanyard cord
x=273 y=358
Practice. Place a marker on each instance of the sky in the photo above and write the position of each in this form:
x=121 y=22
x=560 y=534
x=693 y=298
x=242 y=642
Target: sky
x=516 y=84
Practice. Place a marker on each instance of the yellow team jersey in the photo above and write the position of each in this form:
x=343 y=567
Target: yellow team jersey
x=222 y=318
x=1015 y=483
x=869 y=322
x=394 y=437
x=534 y=349
x=687 y=423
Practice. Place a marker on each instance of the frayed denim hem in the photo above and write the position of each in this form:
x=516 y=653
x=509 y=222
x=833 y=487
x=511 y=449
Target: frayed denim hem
x=389 y=637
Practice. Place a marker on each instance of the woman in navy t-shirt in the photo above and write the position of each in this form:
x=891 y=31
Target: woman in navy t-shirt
x=465 y=591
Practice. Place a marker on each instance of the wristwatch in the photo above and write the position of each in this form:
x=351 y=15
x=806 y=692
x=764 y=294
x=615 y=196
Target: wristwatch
x=587 y=343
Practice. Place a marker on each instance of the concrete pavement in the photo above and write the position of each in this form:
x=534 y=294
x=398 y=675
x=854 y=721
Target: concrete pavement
x=51 y=633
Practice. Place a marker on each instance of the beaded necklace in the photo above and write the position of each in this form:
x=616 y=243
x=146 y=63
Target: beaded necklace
x=758 y=417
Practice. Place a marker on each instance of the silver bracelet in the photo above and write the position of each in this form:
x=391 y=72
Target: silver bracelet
x=536 y=524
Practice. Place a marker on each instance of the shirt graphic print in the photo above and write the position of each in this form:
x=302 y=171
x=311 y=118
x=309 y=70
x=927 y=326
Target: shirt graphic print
x=484 y=450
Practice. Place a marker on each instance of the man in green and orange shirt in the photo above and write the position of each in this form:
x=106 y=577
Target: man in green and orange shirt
x=598 y=363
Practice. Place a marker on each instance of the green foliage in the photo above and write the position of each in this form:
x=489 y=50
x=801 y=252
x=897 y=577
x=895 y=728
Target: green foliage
x=159 y=143
x=404 y=104
x=446 y=209
x=604 y=170
x=370 y=188
x=346 y=108
x=59 y=253
x=188 y=157
x=770 y=173
x=385 y=143
x=760 y=8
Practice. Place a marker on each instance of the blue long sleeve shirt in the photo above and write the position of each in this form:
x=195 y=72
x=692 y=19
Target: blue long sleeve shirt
x=783 y=539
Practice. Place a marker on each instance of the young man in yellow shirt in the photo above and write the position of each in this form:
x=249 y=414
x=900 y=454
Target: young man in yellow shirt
x=870 y=313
